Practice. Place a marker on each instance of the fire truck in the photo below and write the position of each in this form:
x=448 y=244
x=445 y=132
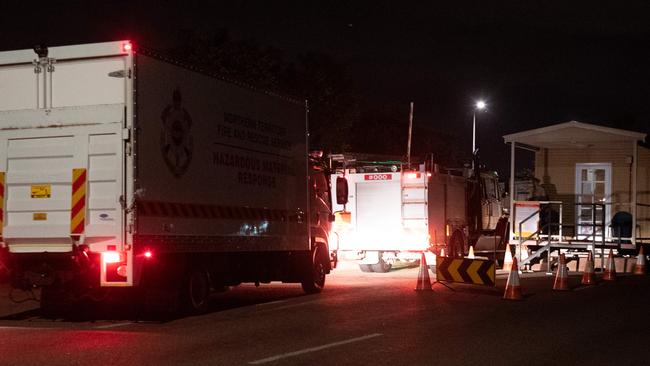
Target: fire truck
x=396 y=211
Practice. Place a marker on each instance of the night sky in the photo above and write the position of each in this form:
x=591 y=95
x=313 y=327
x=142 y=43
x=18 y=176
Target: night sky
x=535 y=64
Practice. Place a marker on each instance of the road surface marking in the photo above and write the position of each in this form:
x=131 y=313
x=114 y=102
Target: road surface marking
x=271 y=302
x=114 y=325
x=23 y=328
x=314 y=349
x=292 y=305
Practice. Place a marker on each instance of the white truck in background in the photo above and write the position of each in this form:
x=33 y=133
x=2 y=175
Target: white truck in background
x=395 y=213
x=122 y=169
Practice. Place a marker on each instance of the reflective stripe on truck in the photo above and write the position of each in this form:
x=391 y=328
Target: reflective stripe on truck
x=78 y=210
x=204 y=211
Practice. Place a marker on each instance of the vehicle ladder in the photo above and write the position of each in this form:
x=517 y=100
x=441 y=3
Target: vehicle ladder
x=414 y=199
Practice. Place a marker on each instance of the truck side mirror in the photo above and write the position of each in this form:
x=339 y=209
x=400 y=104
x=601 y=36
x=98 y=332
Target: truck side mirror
x=341 y=191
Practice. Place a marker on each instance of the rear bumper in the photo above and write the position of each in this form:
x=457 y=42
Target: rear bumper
x=28 y=270
x=397 y=241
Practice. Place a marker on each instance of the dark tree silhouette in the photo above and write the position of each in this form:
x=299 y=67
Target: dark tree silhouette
x=336 y=122
x=313 y=76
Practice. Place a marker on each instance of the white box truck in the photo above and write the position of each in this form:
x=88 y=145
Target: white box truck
x=121 y=168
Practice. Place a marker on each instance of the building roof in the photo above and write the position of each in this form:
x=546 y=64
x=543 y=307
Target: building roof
x=574 y=134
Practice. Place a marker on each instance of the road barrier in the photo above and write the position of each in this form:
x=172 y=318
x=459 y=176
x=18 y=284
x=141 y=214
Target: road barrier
x=471 y=271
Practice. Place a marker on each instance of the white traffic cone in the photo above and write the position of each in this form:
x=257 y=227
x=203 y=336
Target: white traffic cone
x=424 y=281
x=513 y=288
x=589 y=276
x=507 y=259
x=562 y=278
x=639 y=268
x=610 y=269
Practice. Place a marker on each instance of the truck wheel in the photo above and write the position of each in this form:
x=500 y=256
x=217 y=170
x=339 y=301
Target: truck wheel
x=315 y=280
x=382 y=266
x=197 y=291
x=365 y=267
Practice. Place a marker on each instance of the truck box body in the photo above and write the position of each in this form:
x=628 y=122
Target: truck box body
x=377 y=214
x=114 y=151
x=394 y=213
x=242 y=164
x=400 y=211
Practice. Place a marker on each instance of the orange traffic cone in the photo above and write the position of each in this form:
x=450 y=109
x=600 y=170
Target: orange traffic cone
x=562 y=277
x=640 y=263
x=471 y=252
x=507 y=260
x=589 y=277
x=424 y=282
x=610 y=269
x=513 y=289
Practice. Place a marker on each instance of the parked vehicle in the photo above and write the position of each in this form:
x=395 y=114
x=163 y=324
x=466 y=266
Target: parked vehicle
x=396 y=212
x=123 y=169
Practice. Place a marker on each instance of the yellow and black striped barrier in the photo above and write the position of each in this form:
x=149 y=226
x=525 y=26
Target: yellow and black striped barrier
x=471 y=271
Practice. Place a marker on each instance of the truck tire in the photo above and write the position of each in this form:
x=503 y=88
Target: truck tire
x=382 y=266
x=315 y=279
x=196 y=291
x=365 y=267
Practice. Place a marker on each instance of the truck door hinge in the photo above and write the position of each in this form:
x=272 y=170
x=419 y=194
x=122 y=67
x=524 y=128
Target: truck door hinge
x=126 y=136
x=41 y=63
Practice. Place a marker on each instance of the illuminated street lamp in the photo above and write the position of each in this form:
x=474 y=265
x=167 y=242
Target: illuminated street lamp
x=479 y=106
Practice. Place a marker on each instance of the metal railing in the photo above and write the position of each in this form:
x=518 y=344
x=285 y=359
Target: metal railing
x=538 y=234
x=544 y=233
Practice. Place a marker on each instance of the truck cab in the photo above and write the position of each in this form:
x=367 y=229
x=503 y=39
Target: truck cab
x=320 y=205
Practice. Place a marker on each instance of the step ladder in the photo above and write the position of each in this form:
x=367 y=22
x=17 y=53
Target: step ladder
x=414 y=199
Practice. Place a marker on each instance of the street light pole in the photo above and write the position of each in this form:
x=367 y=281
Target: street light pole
x=473 y=133
x=479 y=106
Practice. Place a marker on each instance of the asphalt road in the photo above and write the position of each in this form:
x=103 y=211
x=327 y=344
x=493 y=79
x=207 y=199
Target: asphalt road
x=360 y=319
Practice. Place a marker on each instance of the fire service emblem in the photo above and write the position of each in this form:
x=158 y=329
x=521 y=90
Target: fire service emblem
x=176 y=142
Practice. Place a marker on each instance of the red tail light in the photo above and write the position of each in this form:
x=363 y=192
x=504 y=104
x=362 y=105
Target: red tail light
x=127 y=47
x=148 y=254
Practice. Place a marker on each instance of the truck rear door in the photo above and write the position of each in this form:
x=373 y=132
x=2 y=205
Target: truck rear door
x=63 y=132
x=60 y=184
